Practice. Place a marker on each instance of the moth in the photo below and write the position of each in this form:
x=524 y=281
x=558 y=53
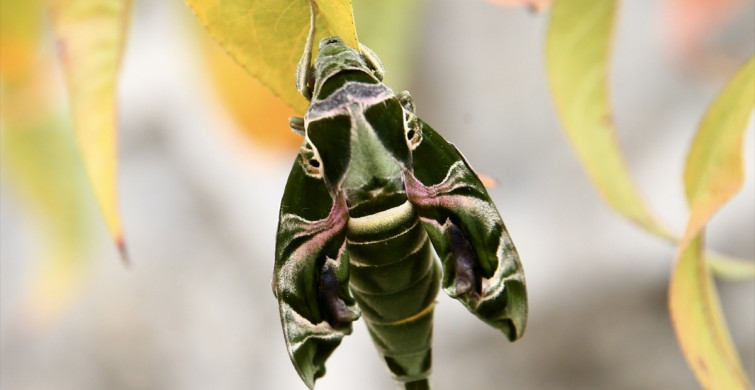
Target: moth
x=373 y=196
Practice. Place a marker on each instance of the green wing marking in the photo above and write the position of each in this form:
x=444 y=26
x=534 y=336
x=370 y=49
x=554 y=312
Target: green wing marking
x=480 y=264
x=310 y=278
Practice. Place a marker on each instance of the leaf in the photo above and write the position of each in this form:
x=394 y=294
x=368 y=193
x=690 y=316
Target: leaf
x=730 y=269
x=714 y=173
x=261 y=115
x=41 y=161
x=715 y=168
x=267 y=36
x=20 y=30
x=699 y=323
x=91 y=36
x=577 y=51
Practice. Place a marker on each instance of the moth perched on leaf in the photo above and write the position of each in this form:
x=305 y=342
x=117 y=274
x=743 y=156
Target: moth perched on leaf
x=374 y=193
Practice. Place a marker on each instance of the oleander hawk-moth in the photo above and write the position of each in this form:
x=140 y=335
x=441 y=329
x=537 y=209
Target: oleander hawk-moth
x=373 y=194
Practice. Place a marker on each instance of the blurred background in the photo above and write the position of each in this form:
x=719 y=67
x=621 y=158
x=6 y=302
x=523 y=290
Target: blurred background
x=203 y=163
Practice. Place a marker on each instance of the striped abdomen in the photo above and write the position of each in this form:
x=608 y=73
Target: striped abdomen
x=395 y=279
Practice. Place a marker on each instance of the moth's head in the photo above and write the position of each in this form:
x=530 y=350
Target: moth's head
x=335 y=60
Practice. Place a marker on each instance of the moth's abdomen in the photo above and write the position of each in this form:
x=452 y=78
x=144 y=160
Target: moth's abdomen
x=395 y=279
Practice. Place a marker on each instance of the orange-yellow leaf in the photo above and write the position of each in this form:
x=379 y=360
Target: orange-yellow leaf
x=578 y=51
x=261 y=115
x=91 y=36
x=715 y=168
x=267 y=36
x=699 y=322
x=714 y=173
x=20 y=30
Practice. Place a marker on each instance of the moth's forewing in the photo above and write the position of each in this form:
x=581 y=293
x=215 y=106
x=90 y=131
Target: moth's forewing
x=480 y=264
x=310 y=278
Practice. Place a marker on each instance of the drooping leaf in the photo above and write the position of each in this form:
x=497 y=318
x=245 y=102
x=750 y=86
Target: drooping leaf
x=91 y=36
x=578 y=52
x=714 y=173
x=715 y=169
x=262 y=116
x=39 y=161
x=267 y=36
x=699 y=322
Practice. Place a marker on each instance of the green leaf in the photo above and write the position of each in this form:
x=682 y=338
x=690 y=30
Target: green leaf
x=267 y=36
x=578 y=51
x=714 y=173
x=91 y=35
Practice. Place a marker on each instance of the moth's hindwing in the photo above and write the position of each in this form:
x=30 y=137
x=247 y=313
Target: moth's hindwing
x=480 y=264
x=310 y=278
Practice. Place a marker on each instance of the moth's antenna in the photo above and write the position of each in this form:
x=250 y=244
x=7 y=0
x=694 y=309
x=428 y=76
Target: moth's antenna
x=302 y=69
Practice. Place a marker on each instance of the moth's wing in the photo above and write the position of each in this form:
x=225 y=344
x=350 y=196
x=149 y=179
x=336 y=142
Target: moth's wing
x=310 y=278
x=480 y=263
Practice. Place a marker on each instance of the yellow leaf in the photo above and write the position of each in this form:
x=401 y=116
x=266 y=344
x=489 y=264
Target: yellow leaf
x=712 y=176
x=699 y=323
x=91 y=36
x=260 y=114
x=20 y=28
x=267 y=36
x=715 y=168
x=578 y=50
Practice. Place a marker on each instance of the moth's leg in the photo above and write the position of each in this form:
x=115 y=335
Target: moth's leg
x=303 y=68
x=373 y=61
x=296 y=123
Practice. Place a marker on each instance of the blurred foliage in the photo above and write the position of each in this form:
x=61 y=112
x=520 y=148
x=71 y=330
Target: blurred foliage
x=262 y=116
x=579 y=42
x=39 y=157
x=90 y=38
x=713 y=175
